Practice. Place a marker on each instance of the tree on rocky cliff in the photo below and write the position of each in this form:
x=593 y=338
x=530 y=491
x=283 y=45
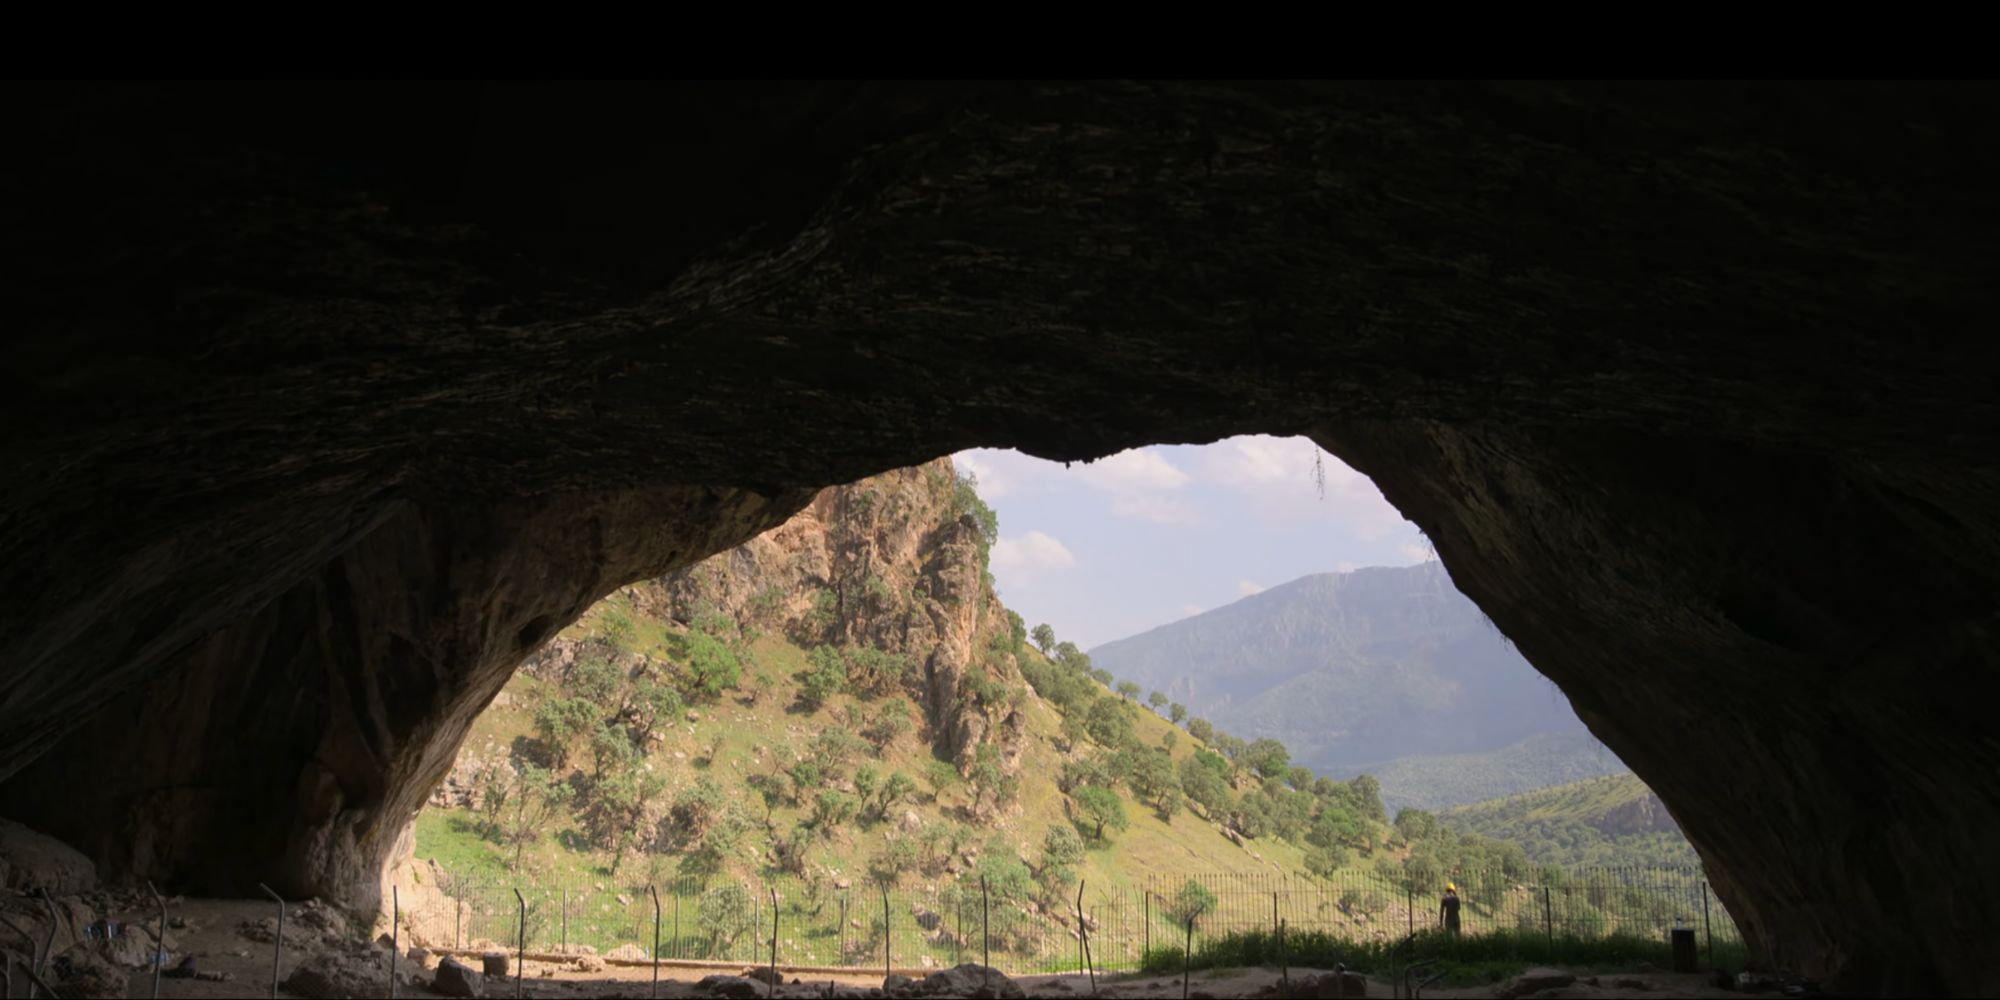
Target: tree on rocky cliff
x=1045 y=638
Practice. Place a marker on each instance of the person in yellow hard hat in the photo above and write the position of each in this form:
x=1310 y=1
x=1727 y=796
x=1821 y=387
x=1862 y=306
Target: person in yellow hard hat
x=1448 y=909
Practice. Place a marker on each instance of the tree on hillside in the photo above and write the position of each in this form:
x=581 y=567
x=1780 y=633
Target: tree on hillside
x=1153 y=780
x=1169 y=738
x=594 y=678
x=1205 y=780
x=891 y=721
x=1201 y=729
x=1045 y=638
x=1414 y=825
x=990 y=778
x=1368 y=794
x=1103 y=807
x=724 y=914
x=610 y=751
x=558 y=722
x=1326 y=861
x=1017 y=631
x=1268 y=757
x=1129 y=690
x=1107 y=723
x=1103 y=676
x=649 y=708
x=1156 y=700
x=1192 y=902
x=712 y=666
x=617 y=810
x=895 y=789
x=825 y=675
x=831 y=809
x=1177 y=712
x=1062 y=851
x=536 y=798
x=1300 y=777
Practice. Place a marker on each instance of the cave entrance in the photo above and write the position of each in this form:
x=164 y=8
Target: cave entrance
x=1238 y=656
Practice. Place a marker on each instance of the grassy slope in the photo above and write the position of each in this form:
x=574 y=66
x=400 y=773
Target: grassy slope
x=755 y=738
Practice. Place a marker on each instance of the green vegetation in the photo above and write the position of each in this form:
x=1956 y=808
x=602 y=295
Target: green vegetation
x=1608 y=821
x=1438 y=781
x=1469 y=960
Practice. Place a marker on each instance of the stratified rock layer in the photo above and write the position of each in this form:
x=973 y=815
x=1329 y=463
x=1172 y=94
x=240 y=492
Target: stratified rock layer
x=323 y=405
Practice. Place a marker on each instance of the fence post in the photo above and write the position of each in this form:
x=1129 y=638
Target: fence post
x=677 y=921
x=1410 y=908
x=1274 y=911
x=958 y=946
x=521 y=944
x=457 y=911
x=1083 y=936
x=565 y=920
x=843 y=930
x=159 y=942
x=774 y=941
x=655 y=891
x=1147 y=919
x=278 y=954
x=1548 y=923
x=395 y=934
x=985 y=930
x=1187 y=958
x=885 y=932
x=1284 y=957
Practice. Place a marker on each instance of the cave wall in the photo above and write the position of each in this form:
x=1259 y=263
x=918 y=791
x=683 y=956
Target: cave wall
x=1690 y=383
x=294 y=746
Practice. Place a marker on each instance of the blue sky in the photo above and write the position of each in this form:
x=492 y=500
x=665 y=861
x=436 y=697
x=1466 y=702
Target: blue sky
x=1111 y=548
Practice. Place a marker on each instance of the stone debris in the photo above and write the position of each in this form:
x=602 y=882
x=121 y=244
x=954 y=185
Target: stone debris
x=456 y=979
x=1534 y=981
x=731 y=986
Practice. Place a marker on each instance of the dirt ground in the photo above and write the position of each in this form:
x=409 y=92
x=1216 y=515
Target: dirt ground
x=213 y=932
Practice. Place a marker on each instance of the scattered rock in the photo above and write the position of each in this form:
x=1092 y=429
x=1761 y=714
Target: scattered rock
x=493 y=963
x=81 y=972
x=730 y=986
x=31 y=861
x=968 y=980
x=340 y=974
x=456 y=979
x=1535 y=981
x=895 y=985
x=765 y=975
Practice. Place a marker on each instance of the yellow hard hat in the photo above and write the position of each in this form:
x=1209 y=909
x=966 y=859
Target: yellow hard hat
x=1451 y=887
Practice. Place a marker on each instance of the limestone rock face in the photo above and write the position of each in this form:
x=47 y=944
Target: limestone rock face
x=887 y=563
x=324 y=405
x=31 y=861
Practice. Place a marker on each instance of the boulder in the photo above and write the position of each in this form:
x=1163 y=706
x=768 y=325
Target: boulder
x=493 y=963
x=730 y=986
x=30 y=860
x=456 y=979
x=969 y=980
x=589 y=963
x=765 y=974
x=627 y=953
x=340 y=974
x=1534 y=981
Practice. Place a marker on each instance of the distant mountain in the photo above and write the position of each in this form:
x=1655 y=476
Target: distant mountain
x=1350 y=669
x=1613 y=820
x=1437 y=781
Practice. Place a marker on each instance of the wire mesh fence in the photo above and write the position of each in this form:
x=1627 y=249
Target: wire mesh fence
x=829 y=924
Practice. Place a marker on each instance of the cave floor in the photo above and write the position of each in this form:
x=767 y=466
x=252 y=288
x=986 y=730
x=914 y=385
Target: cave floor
x=212 y=930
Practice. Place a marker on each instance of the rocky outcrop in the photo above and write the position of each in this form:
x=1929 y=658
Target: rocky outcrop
x=893 y=563
x=324 y=404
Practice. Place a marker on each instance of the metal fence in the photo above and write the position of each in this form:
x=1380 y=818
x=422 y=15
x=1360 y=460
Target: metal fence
x=863 y=926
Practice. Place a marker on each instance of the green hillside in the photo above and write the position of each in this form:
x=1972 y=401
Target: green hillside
x=1438 y=781
x=1350 y=670
x=1612 y=820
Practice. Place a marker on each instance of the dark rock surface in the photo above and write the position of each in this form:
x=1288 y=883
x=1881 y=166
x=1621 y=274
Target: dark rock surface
x=323 y=405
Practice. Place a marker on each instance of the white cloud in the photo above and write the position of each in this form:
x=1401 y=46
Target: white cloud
x=1159 y=510
x=1140 y=470
x=1346 y=566
x=1246 y=588
x=1190 y=610
x=1022 y=556
x=1258 y=460
x=1414 y=553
